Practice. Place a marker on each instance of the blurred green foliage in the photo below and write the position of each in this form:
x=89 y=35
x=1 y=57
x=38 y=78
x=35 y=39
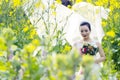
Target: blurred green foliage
x=19 y=41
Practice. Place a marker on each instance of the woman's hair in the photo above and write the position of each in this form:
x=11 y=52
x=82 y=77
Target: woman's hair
x=87 y=24
x=66 y=2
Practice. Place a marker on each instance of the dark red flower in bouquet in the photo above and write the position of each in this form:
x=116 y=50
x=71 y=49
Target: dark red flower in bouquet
x=84 y=50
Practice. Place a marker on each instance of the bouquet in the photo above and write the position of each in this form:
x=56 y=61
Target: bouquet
x=89 y=49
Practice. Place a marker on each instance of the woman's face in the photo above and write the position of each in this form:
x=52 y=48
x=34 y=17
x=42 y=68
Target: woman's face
x=85 y=31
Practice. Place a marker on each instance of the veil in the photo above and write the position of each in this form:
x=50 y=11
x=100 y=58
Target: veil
x=90 y=13
x=80 y=12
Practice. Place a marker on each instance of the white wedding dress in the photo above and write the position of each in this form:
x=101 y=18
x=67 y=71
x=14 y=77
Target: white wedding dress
x=95 y=70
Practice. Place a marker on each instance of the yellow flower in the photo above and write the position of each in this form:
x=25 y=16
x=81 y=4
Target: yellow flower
x=2 y=40
x=54 y=13
x=10 y=13
x=111 y=8
x=77 y=1
x=38 y=4
x=99 y=3
x=3 y=67
x=8 y=64
x=36 y=42
x=29 y=48
x=25 y=29
x=2 y=44
x=33 y=33
x=24 y=65
x=1 y=53
x=89 y=0
x=16 y=3
x=111 y=33
x=53 y=6
x=6 y=0
x=58 y=1
x=52 y=77
x=104 y=23
x=69 y=6
x=67 y=48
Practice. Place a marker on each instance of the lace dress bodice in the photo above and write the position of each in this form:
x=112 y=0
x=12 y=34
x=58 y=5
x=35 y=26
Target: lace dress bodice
x=80 y=44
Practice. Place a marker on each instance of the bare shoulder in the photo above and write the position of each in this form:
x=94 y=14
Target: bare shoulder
x=98 y=44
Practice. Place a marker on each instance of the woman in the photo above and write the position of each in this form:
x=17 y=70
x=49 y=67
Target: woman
x=84 y=46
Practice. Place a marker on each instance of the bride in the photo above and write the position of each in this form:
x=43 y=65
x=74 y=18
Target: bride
x=81 y=12
x=84 y=47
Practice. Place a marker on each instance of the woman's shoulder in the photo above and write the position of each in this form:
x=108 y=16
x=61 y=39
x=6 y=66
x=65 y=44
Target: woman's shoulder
x=96 y=42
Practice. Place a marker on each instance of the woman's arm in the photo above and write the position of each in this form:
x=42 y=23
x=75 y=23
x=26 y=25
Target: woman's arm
x=102 y=54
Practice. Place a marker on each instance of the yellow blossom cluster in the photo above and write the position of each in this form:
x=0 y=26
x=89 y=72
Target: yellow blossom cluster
x=58 y=1
x=16 y=3
x=77 y=1
x=110 y=33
